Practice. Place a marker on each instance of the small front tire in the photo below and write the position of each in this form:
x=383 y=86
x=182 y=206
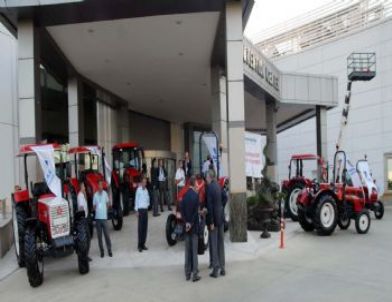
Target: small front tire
x=82 y=246
x=379 y=210
x=305 y=222
x=362 y=222
x=171 y=224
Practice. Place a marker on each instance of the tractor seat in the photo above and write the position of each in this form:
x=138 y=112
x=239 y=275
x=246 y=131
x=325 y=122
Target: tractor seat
x=39 y=189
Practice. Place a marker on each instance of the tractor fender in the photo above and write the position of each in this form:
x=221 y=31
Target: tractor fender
x=322 y=193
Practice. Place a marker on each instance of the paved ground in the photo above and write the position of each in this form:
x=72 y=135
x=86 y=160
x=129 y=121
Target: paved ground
x=343 y=267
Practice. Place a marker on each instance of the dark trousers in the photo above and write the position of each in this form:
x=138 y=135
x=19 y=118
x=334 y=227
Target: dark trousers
x=191 y=261
x=102 y=228
x=155 y=201
x=163 y=195
x=217 y=248
x=142 y=227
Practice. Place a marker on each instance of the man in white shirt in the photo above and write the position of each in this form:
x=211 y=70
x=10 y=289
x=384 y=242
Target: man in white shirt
x=180 y=176
x=82 y=202
x=142 y=202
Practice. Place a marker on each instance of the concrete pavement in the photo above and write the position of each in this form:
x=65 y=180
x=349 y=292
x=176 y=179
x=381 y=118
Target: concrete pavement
x=343 y=267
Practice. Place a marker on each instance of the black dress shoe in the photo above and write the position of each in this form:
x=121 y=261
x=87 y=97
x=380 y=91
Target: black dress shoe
x=144 y=248
x=214 y=274
x=196 y=278
x=223 y=272
x=156 y=215
x=102 y=254
x=89 y=259
x=210 y=266
x=188 y=277
x=140 y=249
x=110 y=254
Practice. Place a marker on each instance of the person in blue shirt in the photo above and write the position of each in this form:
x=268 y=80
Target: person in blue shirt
x=190 y=214
x=142 y=202
x=101 y=205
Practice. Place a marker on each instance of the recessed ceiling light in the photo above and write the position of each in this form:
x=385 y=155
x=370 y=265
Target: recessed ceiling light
x=204 y=84
x=180 y=54
x=179 y=22
x=107 y=61
x=90 y=30
x=128 y=83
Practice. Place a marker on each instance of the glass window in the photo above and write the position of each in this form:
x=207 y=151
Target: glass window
x=389 y=173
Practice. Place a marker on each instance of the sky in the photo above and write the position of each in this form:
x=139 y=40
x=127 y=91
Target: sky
x=267 y=13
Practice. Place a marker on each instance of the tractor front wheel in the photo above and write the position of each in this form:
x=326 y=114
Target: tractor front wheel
x=379 y=209
x=171 y=224
x=304 y=220
x=326 y=216
x=33 y=259
x=362 y=222
x=344 y=221
x=82 y=246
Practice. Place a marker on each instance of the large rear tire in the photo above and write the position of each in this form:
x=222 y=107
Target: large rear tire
x=291 y=201
x=19 y=217
x=171 y=224
x=326 y=215
x=203 y=241
x=33 y=259
x=117 y=217
x=379 y=210
x=305 y=222
x=82 y=245
x=362 y=222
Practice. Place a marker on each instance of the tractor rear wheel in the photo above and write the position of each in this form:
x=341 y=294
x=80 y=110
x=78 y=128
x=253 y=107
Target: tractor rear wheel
x=117 y=219
x=326 y=215
x=125 y=196
x=82 y=245
x=19 y=217
x=33 y=259
x=291 y=201
x=344 y=221
x=379 y=209
x=171 y=224
x=304 y=220
x=362 y=222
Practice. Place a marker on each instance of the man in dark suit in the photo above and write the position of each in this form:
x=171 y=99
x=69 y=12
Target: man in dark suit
x=190 y=213
x=187 y=165
x=162 y=185
x=154 y=187
x=215 y=221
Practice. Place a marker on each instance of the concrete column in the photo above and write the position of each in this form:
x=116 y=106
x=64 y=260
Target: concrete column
x=219 y=115
x=177 y=139
x=321 y=132
x=123 y=124
x=75 y=112
x=272 y=150
x=236 y=121
x=28 y=79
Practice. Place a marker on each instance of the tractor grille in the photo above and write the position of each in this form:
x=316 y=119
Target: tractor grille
x=59 y=219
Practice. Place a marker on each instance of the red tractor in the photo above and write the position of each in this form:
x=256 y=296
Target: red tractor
x=91 y=162
x=44 y=222
x=126 y=174
x=297 y=180
x=326 y=205
x=175 y=227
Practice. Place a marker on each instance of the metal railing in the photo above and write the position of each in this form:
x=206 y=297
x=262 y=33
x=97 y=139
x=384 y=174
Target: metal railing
x=328 y=22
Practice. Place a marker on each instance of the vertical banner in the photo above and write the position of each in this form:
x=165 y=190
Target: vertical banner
x=254 y=157
x=366 y=176
x=353 y=174
x=211 y=143
x=45 y=156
